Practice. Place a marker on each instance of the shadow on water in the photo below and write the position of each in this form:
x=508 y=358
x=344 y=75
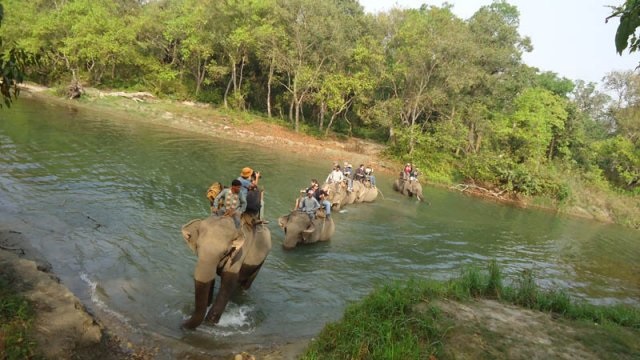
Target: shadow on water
x=106 y=196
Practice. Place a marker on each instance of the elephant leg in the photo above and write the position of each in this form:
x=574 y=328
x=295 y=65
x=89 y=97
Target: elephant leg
x=210 y=299
x=247 y=280
x=202 y=290
x=227 y=286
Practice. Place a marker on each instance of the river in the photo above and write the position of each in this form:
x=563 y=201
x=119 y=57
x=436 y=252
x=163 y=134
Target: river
x=105 y=196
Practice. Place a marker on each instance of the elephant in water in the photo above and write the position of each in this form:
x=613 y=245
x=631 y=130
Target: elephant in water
x=297 y=229
x=365 y=192
x=235 y=255
x=409 y=188
x=339 y=194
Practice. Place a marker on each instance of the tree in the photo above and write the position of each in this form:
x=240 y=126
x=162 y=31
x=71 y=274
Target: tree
x=81 y=38
x=499 y=48
x=530 y=132
x=430 y=63
x=625 y=109
x=12 y=63
x=318 y=33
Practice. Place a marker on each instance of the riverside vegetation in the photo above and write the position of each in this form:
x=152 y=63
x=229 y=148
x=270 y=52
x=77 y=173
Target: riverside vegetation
x=421 y=319
x=451 y=95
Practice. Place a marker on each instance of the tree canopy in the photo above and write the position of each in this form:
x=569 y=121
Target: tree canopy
x=449 y=94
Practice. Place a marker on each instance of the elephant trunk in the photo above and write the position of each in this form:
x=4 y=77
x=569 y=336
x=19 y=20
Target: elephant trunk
x=202 y=291
x=228 y=283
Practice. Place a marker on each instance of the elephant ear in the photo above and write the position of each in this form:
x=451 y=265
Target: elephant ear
x=282 y=221
x=190 y=234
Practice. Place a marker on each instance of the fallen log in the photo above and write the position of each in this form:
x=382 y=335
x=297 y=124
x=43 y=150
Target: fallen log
x=476 y=188
x=136 y=96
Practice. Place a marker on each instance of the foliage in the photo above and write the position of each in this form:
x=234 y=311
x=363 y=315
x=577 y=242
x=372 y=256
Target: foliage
x=619 y=159
x=12 y=63
x=449 y=94
x=629 y=14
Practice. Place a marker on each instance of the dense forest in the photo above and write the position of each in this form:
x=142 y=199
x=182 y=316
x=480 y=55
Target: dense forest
x=449 y=94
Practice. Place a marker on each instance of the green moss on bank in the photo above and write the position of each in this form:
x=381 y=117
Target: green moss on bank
x=16 y=317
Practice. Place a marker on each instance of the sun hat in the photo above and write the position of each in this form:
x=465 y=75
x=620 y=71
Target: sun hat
x=246 y=172
x=310 y=192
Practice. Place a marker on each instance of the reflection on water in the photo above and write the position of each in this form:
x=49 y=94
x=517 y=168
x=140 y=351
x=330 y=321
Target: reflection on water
x=106 y=197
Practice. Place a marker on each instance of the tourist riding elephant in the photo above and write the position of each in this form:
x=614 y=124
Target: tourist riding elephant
x=297 y=228
x=409 y=188
x=235 y=255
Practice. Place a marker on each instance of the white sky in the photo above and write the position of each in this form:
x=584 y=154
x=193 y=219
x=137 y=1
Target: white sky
x=569 y=37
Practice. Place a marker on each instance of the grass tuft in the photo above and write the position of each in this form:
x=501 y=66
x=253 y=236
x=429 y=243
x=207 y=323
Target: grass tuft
x=16 y=316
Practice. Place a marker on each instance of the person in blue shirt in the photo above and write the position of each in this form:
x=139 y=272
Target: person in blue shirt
x=249 y=179
x=324 y=203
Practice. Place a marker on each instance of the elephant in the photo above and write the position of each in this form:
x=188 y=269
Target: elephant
x=295 y=224
x=365 y=192
x=409 y=188
x=338 y=194
x=236 y=255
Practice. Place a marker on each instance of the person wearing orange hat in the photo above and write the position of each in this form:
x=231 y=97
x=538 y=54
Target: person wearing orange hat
x=247 y=177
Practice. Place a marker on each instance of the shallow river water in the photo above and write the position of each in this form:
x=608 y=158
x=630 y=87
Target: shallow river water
x=106 y=196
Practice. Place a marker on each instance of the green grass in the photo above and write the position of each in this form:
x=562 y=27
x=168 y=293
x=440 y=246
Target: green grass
x=16 y=316
x=384 y=325
x=399 y=320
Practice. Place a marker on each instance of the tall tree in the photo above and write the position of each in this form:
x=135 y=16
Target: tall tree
x=625 y=109
x=498 y=52
x=530 y=132
x=316 y=34
x=429 y=61
x=11 y=68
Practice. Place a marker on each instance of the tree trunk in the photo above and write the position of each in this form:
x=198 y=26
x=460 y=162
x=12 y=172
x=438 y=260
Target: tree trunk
x=323 y=109
x=269 y=81
x=296 y=125
x=291 y=106
x=333 y=116
x=226 y=93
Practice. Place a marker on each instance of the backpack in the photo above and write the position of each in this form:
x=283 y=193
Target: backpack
x=253 y=201
x=213 y=191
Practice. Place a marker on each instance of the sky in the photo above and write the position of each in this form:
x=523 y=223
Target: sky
x=569 y=37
